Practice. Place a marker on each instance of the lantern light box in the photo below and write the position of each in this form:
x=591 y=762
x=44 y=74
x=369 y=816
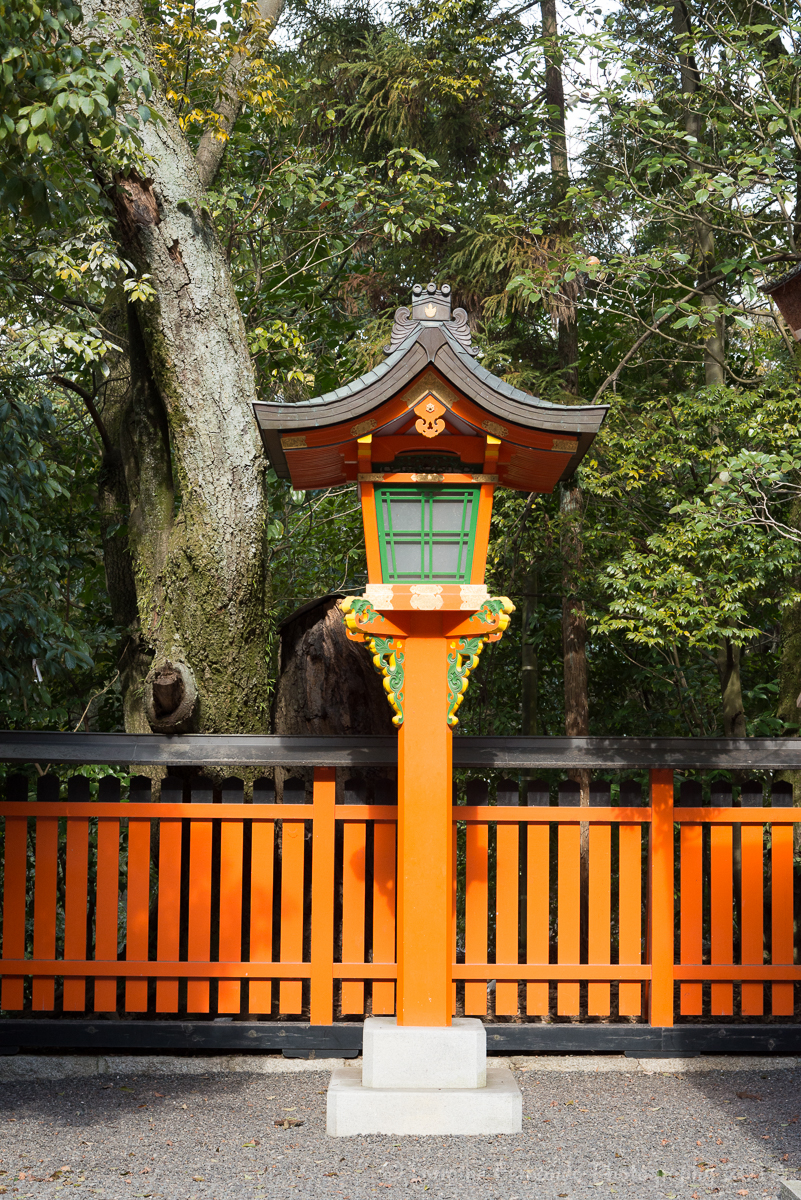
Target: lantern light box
x=427 y=435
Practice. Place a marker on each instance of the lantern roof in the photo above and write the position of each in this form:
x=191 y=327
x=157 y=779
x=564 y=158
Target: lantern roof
x=313 y=442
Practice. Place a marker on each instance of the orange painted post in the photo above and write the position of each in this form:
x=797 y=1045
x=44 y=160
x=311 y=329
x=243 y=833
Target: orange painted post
x=322 y=899
x=199 y=925
x=107 y=895
x=782 y=915
x=630 y=916
x=169 y=899
x=752 y=909
x=367 y=493
x=600 y=915
x=691 y=901
x=481 y=545
x=44 y=895
x=12 y=993
x=722 y=914
x=661 y=899
x=354 y=853
x=290 y=992
x=538 y=915
x=262 y=853
x=568 y=883
x=454 y=902
x=507 y=895
x=383 y=913
x=77 y=894
x=138 y=908
x=425 y=830
x=229 y=991
x=476 y=902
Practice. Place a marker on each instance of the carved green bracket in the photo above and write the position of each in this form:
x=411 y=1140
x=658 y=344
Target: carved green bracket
x=465 y=651
x=388 y=660
x=462 y=659
x=358 y=611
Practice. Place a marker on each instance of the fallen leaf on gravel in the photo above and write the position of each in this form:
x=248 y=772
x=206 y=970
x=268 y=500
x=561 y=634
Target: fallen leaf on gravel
x=748 y=1096
x=287 y=1123
x=330 y=1174
x=198 y=1179
x=742 y=1191
x=122 y=1089
x=141 y=1106
x=247 y=1145
x=785 y=1157
x=159 y=1094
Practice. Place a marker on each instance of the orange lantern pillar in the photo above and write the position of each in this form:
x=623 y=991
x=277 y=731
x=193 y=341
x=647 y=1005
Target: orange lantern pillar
x=427 y=436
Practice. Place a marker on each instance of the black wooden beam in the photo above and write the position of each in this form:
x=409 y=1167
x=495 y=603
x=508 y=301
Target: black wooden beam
x=504 y=753
x=295 y=1037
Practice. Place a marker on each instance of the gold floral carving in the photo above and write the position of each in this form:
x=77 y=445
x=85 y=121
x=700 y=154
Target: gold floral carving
x=362 y=428
x=568 y=444
x=498 y=431
x=294 y=442
x=429 y=417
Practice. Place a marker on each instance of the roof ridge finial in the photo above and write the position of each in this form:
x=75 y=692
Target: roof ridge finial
x=431 y=303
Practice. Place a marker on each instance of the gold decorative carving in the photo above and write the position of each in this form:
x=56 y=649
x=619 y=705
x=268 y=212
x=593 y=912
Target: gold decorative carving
x=426 y=596
x=294 y=442
x=429 y=417
x=426 y=477
x=362 y=428
x=498 y=431
x=380 y=595
x=565 y=444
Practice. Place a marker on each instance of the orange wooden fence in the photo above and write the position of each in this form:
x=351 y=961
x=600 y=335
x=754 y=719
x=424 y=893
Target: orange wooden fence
x=203 y=903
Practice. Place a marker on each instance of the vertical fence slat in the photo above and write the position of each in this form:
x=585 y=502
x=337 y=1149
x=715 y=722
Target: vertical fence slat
x=322 y=917
x=568 y=901
x=691 y=898
x=630 y=916
x=476 y=901
x=290 y=992
x=77 y=894
x=722 y=901
x=107 y=896
x=507 y=901
x=752 y=900
x=599 y=900
x=262 y=855
x=44 y=895
x=384 y=913
x=15 y=882
x=354 y=853
x=600 y=914
x=229 y=991
x=199 y=923
x=661 y=915
x=138 y=906
x=168 y=933
x=782 y=915
x=538 y=888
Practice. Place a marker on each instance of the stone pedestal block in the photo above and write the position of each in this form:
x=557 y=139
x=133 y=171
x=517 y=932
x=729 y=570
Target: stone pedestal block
x=354 y=1109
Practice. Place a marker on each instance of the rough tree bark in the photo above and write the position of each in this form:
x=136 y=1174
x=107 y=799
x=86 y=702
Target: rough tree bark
x=574 y=622
x=194 y=470
x=211 y=149
x=729 y=656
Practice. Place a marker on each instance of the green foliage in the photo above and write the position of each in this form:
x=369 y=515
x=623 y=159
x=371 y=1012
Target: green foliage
x=61 y=93
x=55 y=635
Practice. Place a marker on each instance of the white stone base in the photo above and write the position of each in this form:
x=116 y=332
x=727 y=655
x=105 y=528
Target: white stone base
x=415 y=1056
x=354 y=1109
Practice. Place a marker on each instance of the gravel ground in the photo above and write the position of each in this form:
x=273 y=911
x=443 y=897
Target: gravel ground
x=674 y=1136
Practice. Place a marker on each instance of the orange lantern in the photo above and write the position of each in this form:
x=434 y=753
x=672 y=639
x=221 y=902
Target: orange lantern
x=427 y=435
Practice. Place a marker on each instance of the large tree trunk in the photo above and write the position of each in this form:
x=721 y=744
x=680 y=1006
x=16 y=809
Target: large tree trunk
x=728 y=656
x=194 y=468
x=574 y=624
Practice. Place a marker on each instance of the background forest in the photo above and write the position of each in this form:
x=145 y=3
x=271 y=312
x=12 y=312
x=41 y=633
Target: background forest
x=604 y=187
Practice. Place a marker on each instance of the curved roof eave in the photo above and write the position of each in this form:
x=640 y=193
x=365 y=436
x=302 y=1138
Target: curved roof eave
x=430 y=343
